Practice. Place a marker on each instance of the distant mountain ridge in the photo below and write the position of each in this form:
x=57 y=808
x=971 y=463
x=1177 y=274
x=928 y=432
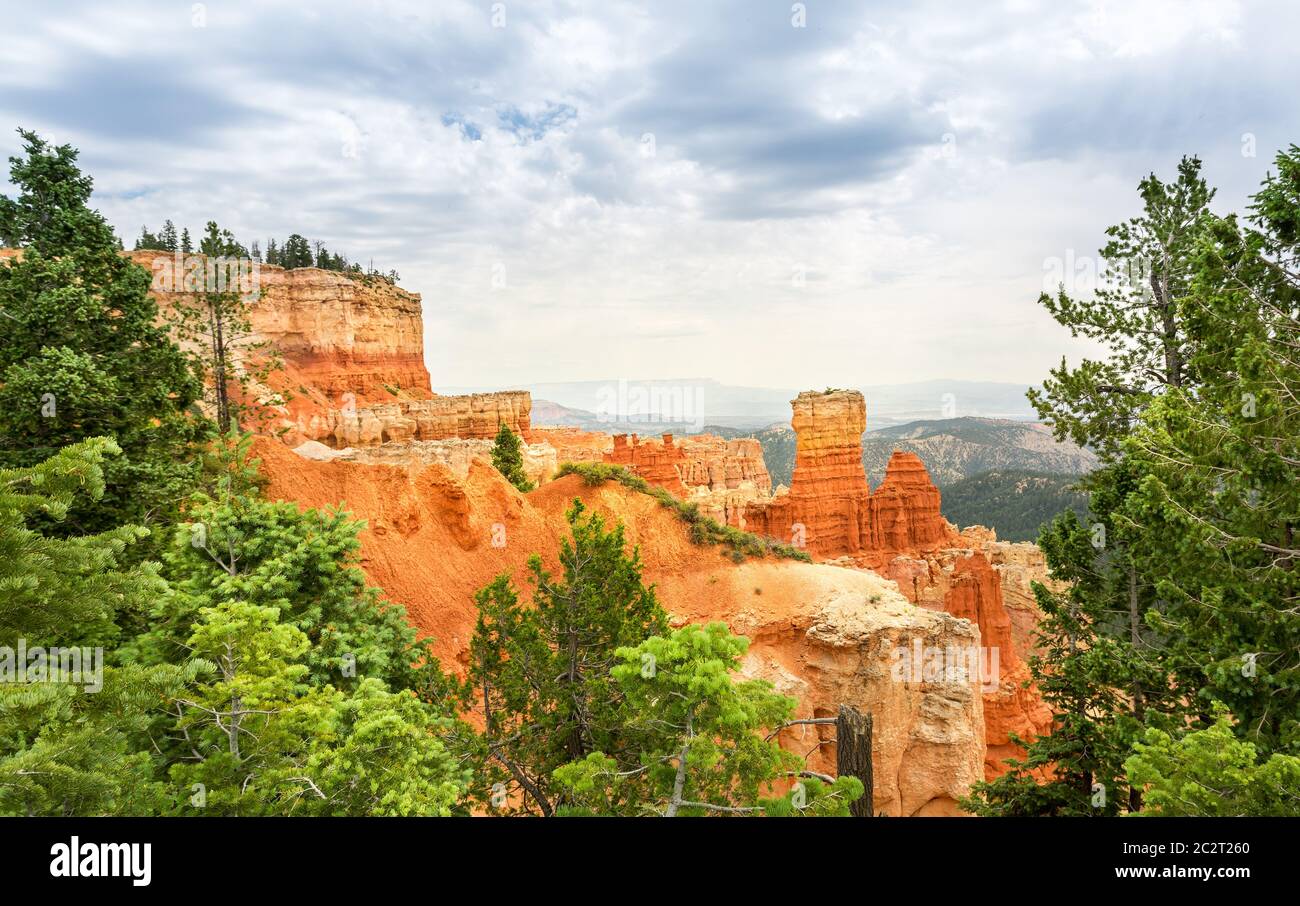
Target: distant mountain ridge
x=957 y=448
x=952 y=449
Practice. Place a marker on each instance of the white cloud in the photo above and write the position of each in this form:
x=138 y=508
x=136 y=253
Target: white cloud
x=686 y=189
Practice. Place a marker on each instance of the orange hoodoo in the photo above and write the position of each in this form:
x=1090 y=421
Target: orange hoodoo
x=830 y=508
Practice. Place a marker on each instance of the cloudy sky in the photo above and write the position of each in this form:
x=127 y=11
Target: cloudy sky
x=856 y=193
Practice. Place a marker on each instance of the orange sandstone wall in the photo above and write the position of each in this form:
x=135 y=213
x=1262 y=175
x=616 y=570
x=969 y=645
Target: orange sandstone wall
x=830 y=507
x=339 y=333
x=660 y=462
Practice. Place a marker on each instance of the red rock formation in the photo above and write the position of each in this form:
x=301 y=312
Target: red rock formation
x=899 y=531
x=818 y=633
x=905 y=508
x=964 y=584
x=718 y=464
x=828 y=501
x=660 y=462
x=474 y=416
x=338 y=333
x=572 y=444
x=721 y=477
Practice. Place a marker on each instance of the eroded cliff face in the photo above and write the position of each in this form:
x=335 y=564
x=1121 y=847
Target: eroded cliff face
x=437 y=533
x=829 y=508
x=351 y=367
x=659 y=461
x=899 y=531
x=476 y=416
x=722 y=477
x=340 y=334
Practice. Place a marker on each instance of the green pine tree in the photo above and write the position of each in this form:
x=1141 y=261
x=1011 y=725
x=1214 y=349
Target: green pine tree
x=1212 y=773
x=238 y=546
x=1104 y=670
x=508 y=458
x=699 y=746
x=82 y=353
x=66 y=747
x=540 y=673
x=1219 y=508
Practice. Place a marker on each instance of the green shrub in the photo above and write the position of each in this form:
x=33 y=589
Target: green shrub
x=703 y=530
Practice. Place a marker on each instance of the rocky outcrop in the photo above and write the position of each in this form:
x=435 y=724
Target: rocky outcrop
x=904 y=511
x=572 y=444
x=350 y=357
x=436 y=534
x=716 y=464
x=475 y=416
x=456 y=454
x=1019 y=565
x=829 y=507
x=721 y=477
x=963 y=583
x=827 y=504
x=659 y=461
x=340 y=333
x=899 y=531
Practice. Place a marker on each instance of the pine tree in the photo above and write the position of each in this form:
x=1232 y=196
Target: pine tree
x=319 y=699
x=148 y=242
x=697 y=740
x=167 y=239
x=1212 y=773
x=51 y=215
x=262 y=741
x=1077 y=768
x=237 y=546
x=296 y=252
x=66 y=747
x=1137 y=315
x=187 y=245
x=82 y=352
x=216 y=320
x=541 y=674
x=1219 y=508
x=508 y=458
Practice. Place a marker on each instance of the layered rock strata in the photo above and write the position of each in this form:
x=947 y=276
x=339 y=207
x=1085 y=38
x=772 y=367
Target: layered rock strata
x=436 y=534
x=829 y=507
x=721 y=477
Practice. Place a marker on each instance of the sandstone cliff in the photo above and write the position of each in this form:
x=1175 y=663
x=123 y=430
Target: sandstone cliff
x=829 y=508
x=899 y=531
x=820 y=632
x=351 y=358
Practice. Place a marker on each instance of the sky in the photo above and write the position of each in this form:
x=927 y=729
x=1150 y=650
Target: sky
x=761 y=193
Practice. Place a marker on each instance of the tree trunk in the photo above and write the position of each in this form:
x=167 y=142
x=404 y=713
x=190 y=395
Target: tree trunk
x=853 y=756
x=1139 y=701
